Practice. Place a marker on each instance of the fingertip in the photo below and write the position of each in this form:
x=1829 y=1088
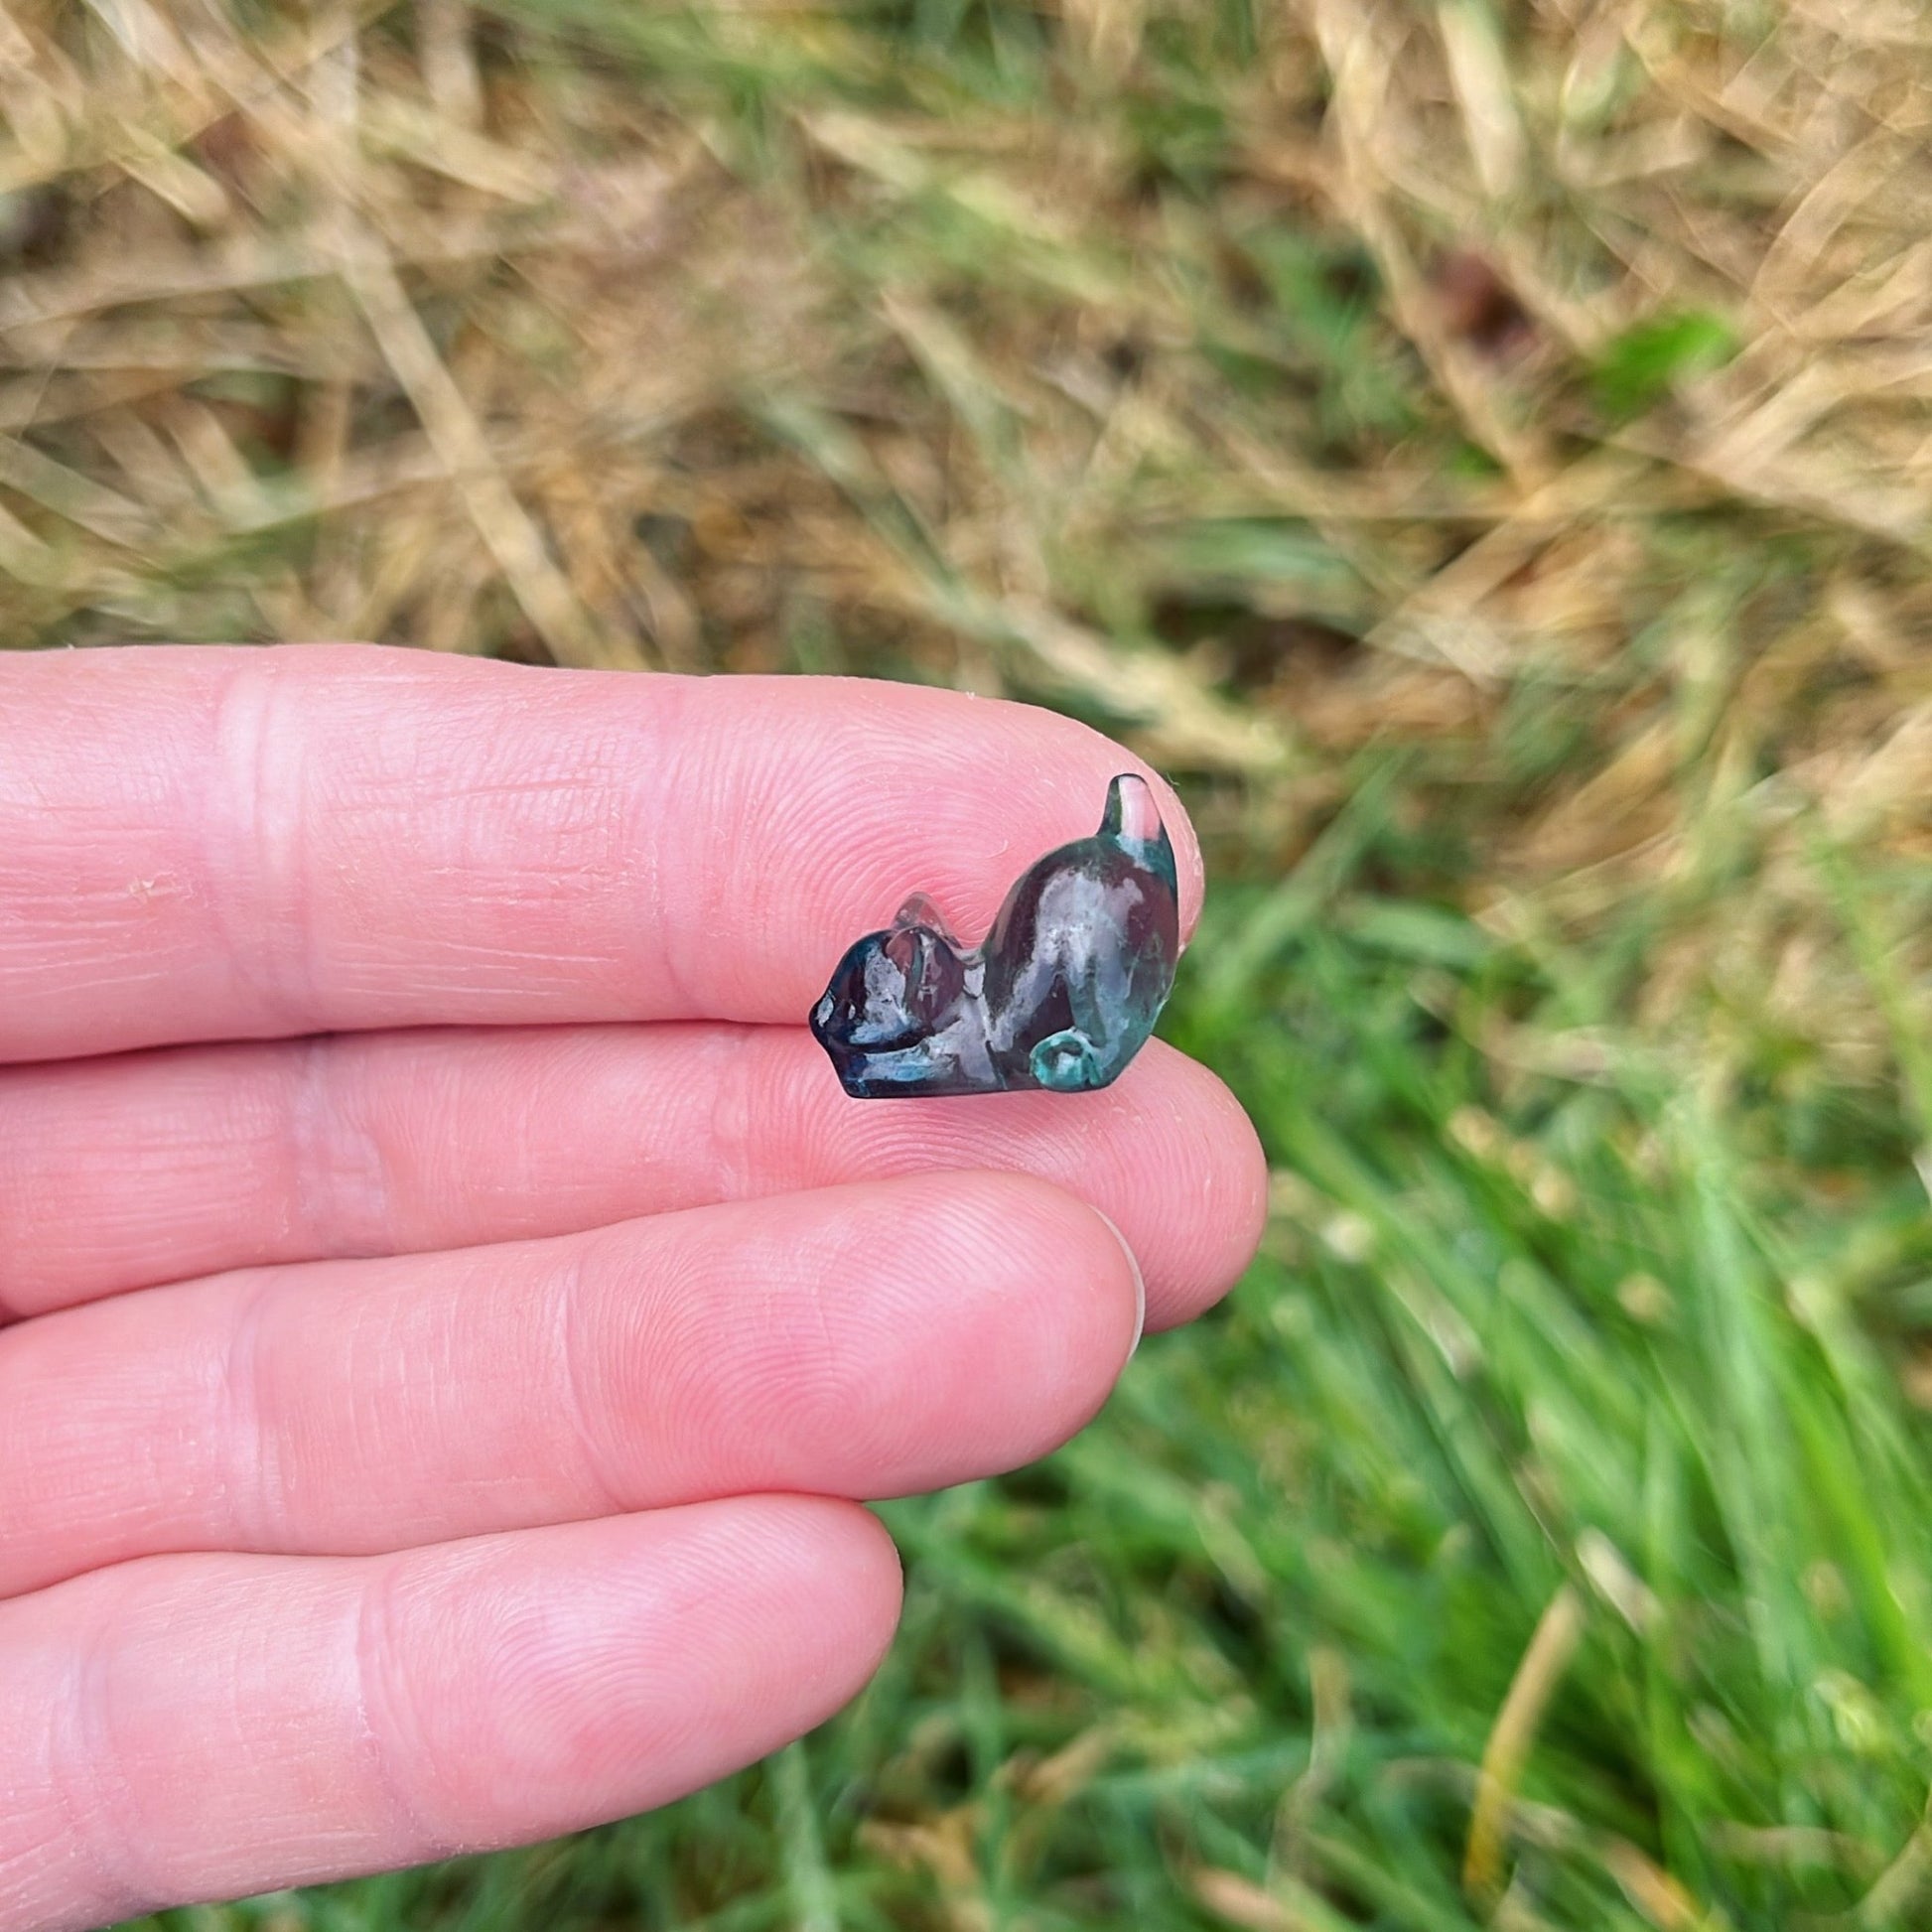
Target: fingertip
x=540 y=1680
x=1076 y=1255
x=862 y=1565
x=988 y=1325
x=1217 y=1200
x=1140 y=1281
x=835 y=1569
x=1081 y=1307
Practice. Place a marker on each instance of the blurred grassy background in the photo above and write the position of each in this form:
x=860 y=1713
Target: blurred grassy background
x=1483 y=449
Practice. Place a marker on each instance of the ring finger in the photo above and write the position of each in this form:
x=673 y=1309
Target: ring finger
x=859 y=1341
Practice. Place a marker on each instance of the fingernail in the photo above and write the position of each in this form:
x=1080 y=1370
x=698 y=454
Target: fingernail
x=1140 y=1285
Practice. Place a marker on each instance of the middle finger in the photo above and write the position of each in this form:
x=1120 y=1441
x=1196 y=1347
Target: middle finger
x=859 y=1341
x=137 y=1169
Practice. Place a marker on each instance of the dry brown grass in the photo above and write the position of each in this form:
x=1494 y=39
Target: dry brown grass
x=1274 y=392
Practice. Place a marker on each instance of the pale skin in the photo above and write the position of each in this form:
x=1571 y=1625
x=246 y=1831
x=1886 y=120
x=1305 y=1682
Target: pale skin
x=450 y=1316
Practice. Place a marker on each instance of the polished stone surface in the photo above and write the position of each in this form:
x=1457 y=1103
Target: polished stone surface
x=1061 y=995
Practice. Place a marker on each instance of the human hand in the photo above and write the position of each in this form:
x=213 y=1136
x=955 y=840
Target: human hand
x=490 y=1464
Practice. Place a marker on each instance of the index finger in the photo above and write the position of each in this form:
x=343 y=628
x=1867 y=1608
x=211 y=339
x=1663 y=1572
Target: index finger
x=248 y=843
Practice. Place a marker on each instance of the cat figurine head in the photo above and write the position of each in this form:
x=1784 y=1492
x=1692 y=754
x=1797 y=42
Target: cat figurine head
x=894 y=988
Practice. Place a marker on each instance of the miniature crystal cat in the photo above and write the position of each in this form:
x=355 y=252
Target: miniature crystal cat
x=1061 y=995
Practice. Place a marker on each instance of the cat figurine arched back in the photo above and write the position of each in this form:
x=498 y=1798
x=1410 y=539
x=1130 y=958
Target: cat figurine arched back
x=1061 y=995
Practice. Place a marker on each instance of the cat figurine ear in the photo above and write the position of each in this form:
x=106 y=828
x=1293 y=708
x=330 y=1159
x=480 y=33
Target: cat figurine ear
x=1061 y=995
x=920 y=911
x=928 y=962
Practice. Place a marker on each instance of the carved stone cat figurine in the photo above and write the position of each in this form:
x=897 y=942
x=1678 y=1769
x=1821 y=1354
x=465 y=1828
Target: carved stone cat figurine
x=1061 y=995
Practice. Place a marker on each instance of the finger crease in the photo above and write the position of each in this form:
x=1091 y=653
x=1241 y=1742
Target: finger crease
x=272 y=949
x=338 y=1180
x=90 y=1787
x=401 y=1817
x=249 y=1461
x=569 y=1347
